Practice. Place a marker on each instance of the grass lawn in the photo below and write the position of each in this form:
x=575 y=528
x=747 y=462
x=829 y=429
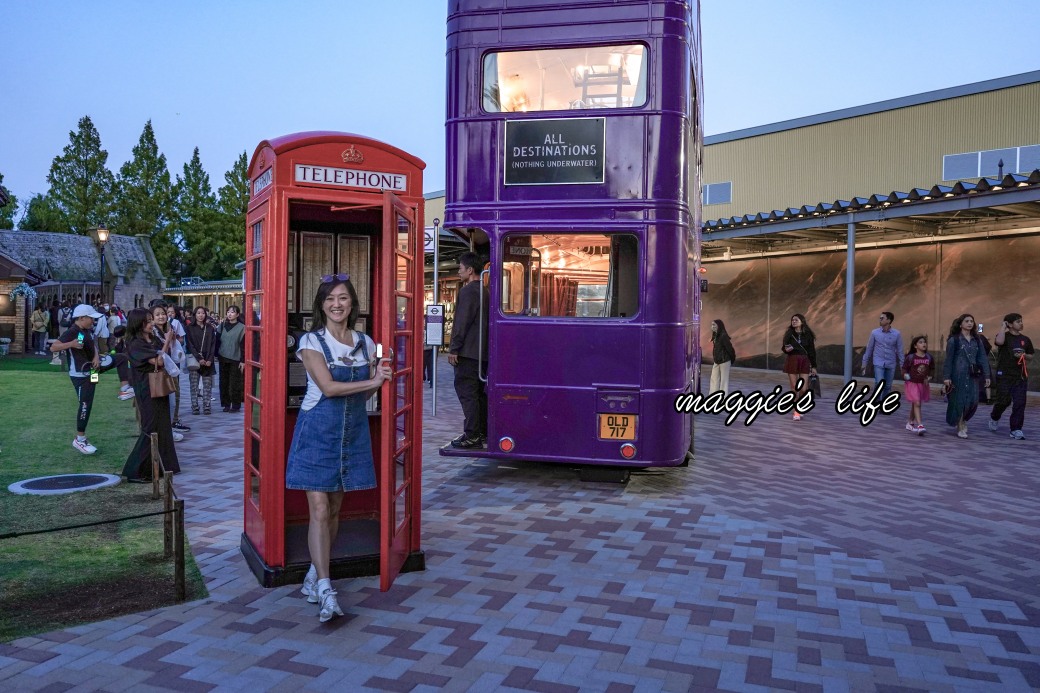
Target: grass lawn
x=56 y=580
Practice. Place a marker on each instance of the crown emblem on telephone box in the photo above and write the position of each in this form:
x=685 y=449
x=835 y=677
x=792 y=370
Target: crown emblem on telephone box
x=352 y=156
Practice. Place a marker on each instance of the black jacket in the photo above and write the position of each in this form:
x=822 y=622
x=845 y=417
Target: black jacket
x=807 y=347
x=467 y=328
x=722 y=349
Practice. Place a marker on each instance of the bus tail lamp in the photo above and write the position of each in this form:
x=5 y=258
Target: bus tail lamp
x=628 y=451
x=506 y=444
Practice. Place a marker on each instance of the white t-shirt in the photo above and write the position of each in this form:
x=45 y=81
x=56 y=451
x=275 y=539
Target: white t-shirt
x=341 y=355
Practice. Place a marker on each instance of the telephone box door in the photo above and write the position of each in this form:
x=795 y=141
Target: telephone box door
x=399 y=468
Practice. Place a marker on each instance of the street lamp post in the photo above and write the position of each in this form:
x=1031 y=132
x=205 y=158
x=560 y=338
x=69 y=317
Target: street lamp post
x=100 y=235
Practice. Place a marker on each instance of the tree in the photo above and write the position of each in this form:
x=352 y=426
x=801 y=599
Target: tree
x=196 y=220
x=10 y=206
x=81 y=184
x=144 y=199
x=41 y=214
x=233 y=204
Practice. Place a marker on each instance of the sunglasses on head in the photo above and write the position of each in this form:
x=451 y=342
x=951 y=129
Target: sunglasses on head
x=326 y=278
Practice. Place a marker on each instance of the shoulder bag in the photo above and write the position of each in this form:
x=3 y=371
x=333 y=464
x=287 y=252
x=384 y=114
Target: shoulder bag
x=193 y=363
x=160 y=384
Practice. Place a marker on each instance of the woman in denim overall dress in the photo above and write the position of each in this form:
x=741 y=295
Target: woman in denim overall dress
x=331 y=450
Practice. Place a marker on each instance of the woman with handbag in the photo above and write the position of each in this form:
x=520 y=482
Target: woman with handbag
x=722 y=356
x=202 y=350
x=152 y=392
x=966 y=363
x=800 y=347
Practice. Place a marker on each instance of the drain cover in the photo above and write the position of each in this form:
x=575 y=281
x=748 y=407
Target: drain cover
x=63 y=483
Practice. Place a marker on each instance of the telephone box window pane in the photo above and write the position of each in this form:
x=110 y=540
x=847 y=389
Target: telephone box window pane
x=317 y=262
x=253 y=316
x=255 y=338
x=401 y=352
x=401 y=429
x=254 y=383
x=400 y=471
x=565 y=78
x=404 y=240
x=404 y=321
x=401 y=387
x=255 y=418
x=400 y=510
x=290 y=276
x=258 y=237
x=257 y=279
x=254 y=489
x=571 y=275
x=254 y=452
x=404 y=266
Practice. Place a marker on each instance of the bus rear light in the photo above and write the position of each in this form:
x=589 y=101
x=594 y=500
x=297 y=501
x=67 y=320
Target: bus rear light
x=628 y=451
x=506 y=444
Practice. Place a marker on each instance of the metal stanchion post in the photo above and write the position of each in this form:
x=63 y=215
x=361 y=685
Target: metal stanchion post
x=168 y=517
x=156 y=466
x=178 y=551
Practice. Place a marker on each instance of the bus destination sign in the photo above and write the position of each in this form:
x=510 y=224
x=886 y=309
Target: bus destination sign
x=566 y=151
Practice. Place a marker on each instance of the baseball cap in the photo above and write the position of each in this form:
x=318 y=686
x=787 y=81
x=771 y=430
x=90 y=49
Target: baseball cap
x=84 y=309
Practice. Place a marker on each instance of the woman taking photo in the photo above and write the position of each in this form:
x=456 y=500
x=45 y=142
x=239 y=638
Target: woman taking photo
x=966 y=363
x=162 y=327
x=230 y=352
x=800 y=347
x=722 y=356
x=331 y=450
x=202 y=346
x=146 y=354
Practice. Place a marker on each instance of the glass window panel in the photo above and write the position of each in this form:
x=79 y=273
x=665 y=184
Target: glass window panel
x=255 y=416
x=1028 y=159
x=401 y=429
x=401 y=345
x=399 y=470
x=404 y=235
x=258 y=237
x=989 y=161
x=254 y=489
x=254 y=452
x=958 y=166
x=354 y=260
x=257 y=279
x=401 y=390
x=571 y=275
x=290 y=276
x=316 y=262
x=254 y=382
x=404 y=316
x=254 y=307
x=565 y=78
x=717 y=193
x=404 y=266
x=401 y=509
x=255 y=341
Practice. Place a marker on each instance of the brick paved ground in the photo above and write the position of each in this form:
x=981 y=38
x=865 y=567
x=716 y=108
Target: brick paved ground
x=809 y=556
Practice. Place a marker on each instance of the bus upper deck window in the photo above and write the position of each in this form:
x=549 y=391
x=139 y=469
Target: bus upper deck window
x=560 y=79
x=570 y=275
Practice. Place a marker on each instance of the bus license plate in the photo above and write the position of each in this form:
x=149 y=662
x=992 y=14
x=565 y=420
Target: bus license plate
x=617 y=426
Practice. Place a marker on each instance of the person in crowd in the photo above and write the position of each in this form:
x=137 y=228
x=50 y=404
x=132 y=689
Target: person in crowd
x=722 y=356
x=918 y=369
x=145 y=350
x=113 y=320
x=40 y=322
x=331 y=450
x=64 y=316
x=468 y=352
x=885 y=351
x=800 y=346
x=126 y=392
x=202 y=345
x=84 y=366
x=161 y=326
x=231 y=356
x=965 y=363
x=1014 y=352
x=54 y=313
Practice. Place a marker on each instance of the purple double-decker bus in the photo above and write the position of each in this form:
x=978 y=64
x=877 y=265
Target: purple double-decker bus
x=574 y=144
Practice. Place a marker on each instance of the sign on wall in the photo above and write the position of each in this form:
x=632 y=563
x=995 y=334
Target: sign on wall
x=351 y=178
x=565 y=151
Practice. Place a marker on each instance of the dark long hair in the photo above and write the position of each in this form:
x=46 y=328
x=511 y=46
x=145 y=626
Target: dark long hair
x=721 y=332
x=913 y=343
x=324 y=289
x=805 y=328
x=955 y=328
x=136 y=319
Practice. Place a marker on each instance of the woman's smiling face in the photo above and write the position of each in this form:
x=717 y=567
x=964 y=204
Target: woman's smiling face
x=337 y=305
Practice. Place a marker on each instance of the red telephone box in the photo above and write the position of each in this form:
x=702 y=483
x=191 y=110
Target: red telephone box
x=327 y=203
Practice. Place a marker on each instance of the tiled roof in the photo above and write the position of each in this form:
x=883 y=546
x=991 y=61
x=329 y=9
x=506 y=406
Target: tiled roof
x=71 y=257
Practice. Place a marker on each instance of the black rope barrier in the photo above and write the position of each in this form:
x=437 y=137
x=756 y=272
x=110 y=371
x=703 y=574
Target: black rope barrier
x=12 y=535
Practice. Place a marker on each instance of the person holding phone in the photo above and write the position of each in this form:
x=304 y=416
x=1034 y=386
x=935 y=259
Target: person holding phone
x=800 y=347
x=1014 y=352
x=331 y=450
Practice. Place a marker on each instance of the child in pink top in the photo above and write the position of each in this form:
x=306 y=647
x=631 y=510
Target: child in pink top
x=918 y=368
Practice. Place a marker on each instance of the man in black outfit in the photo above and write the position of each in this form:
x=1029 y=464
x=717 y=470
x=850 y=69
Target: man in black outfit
x=1014 y=352
x=468 y=352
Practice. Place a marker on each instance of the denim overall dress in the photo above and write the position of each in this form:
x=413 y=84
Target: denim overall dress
x=331 y=448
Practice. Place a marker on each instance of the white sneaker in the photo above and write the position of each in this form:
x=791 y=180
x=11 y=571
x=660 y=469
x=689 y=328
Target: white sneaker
x=177 y=437
x=797 y=416
x=993 y=425
x=1018 y=434
x=329 y=606
x=83 y=446
x=310 y=586
x=124 y=395
x=910 y=427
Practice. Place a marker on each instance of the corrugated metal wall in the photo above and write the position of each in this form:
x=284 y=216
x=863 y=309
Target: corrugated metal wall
x=876 y=153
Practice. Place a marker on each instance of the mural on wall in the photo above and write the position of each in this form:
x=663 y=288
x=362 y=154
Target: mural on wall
x=926 y=286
